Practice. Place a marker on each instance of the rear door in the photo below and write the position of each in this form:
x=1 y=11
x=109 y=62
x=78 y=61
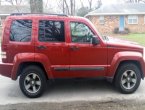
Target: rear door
x=51 y=42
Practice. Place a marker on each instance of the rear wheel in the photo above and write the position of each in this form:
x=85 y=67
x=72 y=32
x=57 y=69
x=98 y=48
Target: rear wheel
x=32 y=81
x=128 y=78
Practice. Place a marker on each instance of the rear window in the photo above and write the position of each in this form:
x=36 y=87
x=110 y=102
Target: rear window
x=21 y=31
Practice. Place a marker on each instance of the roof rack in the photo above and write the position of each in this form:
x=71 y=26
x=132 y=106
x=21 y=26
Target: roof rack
x=19 y=14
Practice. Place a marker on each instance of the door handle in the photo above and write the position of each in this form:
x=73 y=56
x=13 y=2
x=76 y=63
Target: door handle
x=41 y=47
x=74 y=48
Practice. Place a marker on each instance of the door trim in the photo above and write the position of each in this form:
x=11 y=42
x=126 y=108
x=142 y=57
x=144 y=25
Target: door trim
x=79 y=68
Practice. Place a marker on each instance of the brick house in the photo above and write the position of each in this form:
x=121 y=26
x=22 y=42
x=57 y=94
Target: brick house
x=121 y=16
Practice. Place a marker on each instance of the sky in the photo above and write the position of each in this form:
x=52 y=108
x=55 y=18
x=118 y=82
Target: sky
x=111 y=1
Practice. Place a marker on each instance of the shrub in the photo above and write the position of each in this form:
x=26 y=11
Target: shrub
x=116 y=31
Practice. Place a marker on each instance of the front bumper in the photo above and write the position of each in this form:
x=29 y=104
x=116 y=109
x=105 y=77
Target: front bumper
x=6 y=69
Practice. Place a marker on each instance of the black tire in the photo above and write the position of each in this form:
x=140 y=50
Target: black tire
x=125 y=75
x=32 y=76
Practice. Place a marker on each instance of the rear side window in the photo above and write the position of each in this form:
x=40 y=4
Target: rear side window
x=51 y=31
x=21 y=30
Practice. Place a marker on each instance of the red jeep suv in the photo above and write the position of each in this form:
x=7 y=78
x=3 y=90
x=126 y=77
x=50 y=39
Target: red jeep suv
x=40 y=47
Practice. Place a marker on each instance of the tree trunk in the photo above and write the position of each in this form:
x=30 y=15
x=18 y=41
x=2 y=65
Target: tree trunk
x=67 y=7
x=36 y=6
x=74 y=7
x=90 y=4
x=71 y=6
x=63 y=7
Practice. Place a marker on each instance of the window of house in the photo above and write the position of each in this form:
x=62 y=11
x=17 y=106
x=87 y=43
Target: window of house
x=51 y=31
x=132 y=19
x=0 y=21
x=80 y=33
x=101 y=20
x=21 y=30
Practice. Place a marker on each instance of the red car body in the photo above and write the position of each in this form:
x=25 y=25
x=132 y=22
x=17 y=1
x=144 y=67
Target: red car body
x=66 y=59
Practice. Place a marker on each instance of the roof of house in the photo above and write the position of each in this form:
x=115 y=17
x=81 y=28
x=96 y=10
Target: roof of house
x=8 y=9
x=120 y=9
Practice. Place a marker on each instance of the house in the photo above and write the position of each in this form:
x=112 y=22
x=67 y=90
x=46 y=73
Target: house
x=6 y=10
x=122 y=16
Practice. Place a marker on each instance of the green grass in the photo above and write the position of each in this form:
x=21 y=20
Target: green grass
x=139 y=38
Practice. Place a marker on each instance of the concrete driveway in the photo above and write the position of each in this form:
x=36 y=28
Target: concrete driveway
x=67 y=90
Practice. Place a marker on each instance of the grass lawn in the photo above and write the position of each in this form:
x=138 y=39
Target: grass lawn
x=139 y=38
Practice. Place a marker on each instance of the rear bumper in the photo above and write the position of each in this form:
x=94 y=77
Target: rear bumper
x=6 y=69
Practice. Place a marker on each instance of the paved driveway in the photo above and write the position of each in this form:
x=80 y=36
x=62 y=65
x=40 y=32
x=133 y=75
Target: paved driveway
x=67 y=90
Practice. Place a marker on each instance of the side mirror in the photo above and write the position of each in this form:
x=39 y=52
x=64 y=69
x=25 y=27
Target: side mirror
x=95 y=41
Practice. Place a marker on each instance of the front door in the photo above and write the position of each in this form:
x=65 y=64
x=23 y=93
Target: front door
x=86 y=59
x=121 y=23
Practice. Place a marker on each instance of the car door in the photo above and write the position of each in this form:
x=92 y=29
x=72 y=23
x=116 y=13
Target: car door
x=51 y=42
x=86 y=59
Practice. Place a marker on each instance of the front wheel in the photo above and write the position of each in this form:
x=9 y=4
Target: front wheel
x=32 y=81
x=128 y=78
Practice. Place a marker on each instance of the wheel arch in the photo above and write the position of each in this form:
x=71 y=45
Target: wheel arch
x=137 y=63
x=26 y=64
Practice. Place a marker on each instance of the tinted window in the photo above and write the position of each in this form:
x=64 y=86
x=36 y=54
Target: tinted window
x=80 y=32
x=21 y=30
x=52 y=31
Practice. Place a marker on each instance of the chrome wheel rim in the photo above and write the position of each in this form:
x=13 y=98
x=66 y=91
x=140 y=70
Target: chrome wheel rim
x=128 y=79
x=32 y=83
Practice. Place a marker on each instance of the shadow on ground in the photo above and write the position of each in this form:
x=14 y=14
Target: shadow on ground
x=78 y=85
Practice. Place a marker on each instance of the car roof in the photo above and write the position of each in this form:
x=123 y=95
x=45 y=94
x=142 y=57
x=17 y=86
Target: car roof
x=44 y=16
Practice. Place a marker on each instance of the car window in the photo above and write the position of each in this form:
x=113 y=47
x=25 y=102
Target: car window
x=21 y=30
x=80 y=32
x=51 y=31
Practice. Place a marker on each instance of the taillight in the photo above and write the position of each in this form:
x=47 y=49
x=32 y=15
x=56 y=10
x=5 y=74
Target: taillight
x=3 y=55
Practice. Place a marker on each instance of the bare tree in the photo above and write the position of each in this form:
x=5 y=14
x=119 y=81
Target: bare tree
x=67 y=6
x=97 y=2
x=72 y=7
x=16 y=3
x=135 y=1
x=90 y=4
x=82 y=4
